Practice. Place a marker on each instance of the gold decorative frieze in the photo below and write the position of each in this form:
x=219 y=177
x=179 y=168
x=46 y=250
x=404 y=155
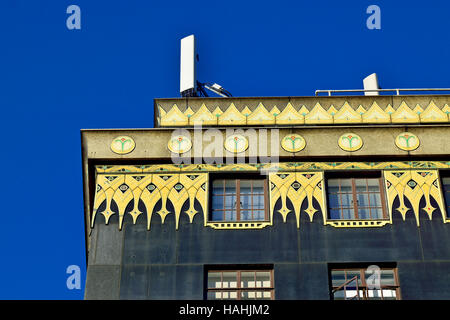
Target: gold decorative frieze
x=296 y=188
x=131 y=189
x=283 y=166
x=414 y=186
x=316 y=114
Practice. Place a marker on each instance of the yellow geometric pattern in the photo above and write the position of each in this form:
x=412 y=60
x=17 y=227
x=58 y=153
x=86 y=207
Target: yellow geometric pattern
x=284 y=166
x=414 y=185
x=294 y=184
x=126 y=189
x=289 y=115
x=296 y=187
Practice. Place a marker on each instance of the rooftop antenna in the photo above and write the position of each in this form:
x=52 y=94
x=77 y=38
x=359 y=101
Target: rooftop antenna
x=371 y=86
x=189 y=86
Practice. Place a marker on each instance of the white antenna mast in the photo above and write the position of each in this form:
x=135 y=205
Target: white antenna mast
x=188 y=80
x=189 y=86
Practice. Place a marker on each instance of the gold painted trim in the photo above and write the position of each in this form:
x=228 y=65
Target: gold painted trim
x=357 y=223
x=316 y=114
x=284 y=166
x=224 y=225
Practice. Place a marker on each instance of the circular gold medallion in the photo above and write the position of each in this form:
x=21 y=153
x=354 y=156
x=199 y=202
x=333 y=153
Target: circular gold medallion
x=350 y=142
x=236 y=143
x=407 y=141
x=123 y=145
x=293 y=143
x=179 y=144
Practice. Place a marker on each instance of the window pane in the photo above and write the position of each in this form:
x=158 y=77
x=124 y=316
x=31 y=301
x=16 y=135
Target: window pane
x=333 y=201
x=335 y=214
x=248 y=279
x=346 y=185
x=377 y=213
x=374 y=294
x=389 y=294
x=217 y=202
x=348 y=213
x=229 y=295
x=214 y=295
x=387 y=278
x=258 y=201
x=246 y=201
x=363 y=213
x=258 y=186
x=246 y=215
x=230 y=202
x=214 y=280
x=337 y=278
x=259 y=215
x=339 y=295
x=347 y=200
x=351 y=274
x=247 y=295
x=229 y=279
x=333 y=183
x=374 y=185
x=230 y=186
x=363 y=200
x=263 y=279
x=360 y=185
x=217 y=186
x=230 y=215
x=246 y=186
x=217 y=216
x=375 y=200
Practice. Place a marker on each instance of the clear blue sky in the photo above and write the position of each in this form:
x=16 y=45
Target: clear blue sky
x=55 y=81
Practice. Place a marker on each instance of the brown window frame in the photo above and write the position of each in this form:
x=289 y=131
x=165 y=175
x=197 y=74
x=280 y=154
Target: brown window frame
x=363 y=286
x=240 y=289
x=238 y=200
x=355 y=202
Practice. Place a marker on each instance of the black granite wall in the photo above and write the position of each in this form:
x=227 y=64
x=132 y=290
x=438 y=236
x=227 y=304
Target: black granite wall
x=165 y=263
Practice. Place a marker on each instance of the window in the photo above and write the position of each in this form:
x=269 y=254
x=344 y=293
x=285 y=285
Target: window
x=244 y=284
x=359 y=198
x=239 y=200
x=446 y=191
x=352 y=284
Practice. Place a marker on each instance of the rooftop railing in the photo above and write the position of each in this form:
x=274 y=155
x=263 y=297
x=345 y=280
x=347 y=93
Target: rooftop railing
x=397 y=91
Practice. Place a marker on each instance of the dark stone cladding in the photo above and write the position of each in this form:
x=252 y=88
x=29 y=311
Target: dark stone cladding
x=165 y=263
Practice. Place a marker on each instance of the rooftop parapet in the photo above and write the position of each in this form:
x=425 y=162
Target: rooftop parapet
x=302 y=111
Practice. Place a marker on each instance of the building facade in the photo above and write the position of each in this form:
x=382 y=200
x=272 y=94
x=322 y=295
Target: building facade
x=342 y=197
